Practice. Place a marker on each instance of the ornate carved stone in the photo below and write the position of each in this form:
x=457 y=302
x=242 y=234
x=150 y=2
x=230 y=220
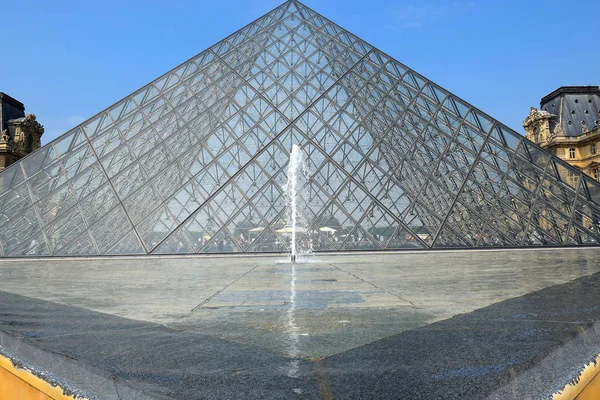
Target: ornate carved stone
x=558 y=131
x=4 y=138
x=535 y=115
x=21 y=137
x=20 y=133
x=537 y=125
x=26 y=133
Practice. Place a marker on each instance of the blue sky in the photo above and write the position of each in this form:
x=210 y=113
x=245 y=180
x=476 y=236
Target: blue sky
x=71 y=59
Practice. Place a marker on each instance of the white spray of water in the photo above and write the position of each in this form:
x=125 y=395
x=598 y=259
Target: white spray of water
x=292 y=328
x=295 y=164
x=296 y=177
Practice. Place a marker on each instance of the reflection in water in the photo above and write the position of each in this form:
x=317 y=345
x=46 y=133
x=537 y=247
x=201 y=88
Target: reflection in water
x=306 y=259
x=292 y=330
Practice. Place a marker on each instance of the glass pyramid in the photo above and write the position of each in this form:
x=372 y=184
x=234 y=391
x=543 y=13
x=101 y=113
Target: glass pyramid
x=195 y=162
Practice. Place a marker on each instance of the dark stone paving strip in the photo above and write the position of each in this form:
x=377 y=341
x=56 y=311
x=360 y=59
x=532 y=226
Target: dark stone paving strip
x=471 y=355
x=466 y=357
x=152 y=358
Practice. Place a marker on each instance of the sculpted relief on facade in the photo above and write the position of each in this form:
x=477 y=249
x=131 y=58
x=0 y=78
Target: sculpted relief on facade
x=21 y=137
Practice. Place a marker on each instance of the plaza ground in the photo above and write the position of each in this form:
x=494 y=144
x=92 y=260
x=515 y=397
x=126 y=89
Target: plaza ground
x=452 y=324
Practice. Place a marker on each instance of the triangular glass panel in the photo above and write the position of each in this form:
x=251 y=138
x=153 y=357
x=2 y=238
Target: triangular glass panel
x=129 y=244
x=68 y=235
x=35 y=246
x=180 y=241
x=449 y=239
x=222 y=242
x=358 y=239
x=264 y=240
x=108 y=230
x=402 y=238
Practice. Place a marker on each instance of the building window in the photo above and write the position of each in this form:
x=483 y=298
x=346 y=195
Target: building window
x=572 y=153
x=593 y=148
x=596 y=173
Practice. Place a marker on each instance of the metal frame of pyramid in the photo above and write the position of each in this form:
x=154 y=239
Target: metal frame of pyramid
x=195 y=161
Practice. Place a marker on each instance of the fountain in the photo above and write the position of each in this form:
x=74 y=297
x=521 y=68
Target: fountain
x=294 y=206
x=295 y=178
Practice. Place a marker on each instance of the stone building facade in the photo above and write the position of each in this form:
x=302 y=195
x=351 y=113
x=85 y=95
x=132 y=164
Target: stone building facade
x=20 y=134
x=568 y=125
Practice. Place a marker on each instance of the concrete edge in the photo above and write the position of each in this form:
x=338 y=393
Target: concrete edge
x=559 y=375
x=398 y=252
x=76 y=379
x=26 y=376
x=586 y=384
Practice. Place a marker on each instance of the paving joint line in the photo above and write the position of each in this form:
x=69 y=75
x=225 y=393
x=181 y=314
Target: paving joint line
x=25 y=337
x=375 y=286
x=208 y=299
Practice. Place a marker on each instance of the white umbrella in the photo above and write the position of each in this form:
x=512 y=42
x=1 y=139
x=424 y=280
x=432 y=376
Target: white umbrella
x=328 y=229
x=289 y=229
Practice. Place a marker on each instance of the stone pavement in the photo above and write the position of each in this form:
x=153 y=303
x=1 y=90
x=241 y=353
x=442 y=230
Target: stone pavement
x=467 y=324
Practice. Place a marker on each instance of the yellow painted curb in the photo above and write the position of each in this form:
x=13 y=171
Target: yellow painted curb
x=26 y=384
x=587 y=387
